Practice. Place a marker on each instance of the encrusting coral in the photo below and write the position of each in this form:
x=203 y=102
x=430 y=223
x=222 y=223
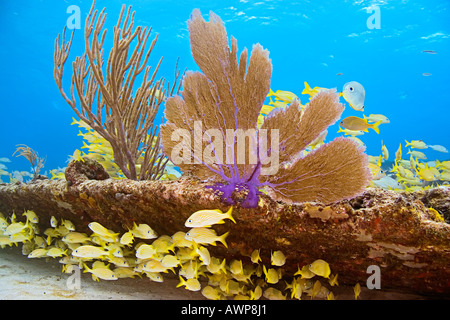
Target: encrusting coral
x=128 y=126
x=218 y=109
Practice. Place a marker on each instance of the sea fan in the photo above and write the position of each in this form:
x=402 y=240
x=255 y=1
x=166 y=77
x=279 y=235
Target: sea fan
x=215 y=116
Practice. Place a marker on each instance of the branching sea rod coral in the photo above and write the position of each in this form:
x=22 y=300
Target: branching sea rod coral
x=217 y=112
x=128 y=126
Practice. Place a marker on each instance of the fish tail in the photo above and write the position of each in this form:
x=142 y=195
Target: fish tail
x=271 y=93
x=229 y=216
x=407 y=143
x=307 y=88
x=375 y=126
x=222 y=239
x=182 y=282
x=223 y=266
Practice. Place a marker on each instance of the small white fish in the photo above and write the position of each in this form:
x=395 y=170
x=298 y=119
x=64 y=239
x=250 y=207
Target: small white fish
x=438 y=148
x=354 y=94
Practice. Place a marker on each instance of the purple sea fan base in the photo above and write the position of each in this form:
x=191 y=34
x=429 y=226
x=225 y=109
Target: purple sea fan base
x=227 y=189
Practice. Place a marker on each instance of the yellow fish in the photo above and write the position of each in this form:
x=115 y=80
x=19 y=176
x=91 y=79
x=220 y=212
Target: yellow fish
x=211 y=293
x=155 y=276
x=355 y=123
x=333 y=280
x=376 y=118
x=256 y=293
x=101 y=230
x=236 y=267
x=154 y=266
x=143 y=231
x=38 y=253
x=357 y=290
x=163 y=244
x=68 y=224
x=273 y=294
x=145 y=251
x=377 y=172
x=351 y=132
x=203 y=253
x=75 y=237
x=354 y=94
x=205 y=235
x=16 y=227
x=179 y=240
x=88 y=251
x=255 y=256
x=170 y=261
x=278 y=258
x=398 y=153
x=384 y=151
x=101 y=273
x=429 y=174
x=312 y=92
x=444 y=165
x=305 y=272
x=285 y=96
x=206 y=218
x=320 y=268
x=190 y=284
x=55 y=252
x=31 y=216
x=315 y=289
x=417 y=154
x=271 y=275
x=215 y=266
x=417 y=144
x=127 y=238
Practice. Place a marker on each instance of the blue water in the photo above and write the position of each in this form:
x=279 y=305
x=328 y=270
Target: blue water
x=309 y=41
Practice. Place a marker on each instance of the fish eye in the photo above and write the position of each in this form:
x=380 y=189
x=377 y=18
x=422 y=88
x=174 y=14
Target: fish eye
x=351 y=89
x=189 y=220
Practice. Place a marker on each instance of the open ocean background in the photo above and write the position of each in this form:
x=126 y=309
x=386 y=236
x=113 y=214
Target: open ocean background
x=311 y=41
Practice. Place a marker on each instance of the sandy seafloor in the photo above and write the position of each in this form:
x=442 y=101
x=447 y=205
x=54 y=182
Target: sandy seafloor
x=23 y=278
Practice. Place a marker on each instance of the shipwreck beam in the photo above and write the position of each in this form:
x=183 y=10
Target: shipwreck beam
x=394 y=231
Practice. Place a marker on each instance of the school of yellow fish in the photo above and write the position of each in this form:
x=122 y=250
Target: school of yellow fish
x=410 y=174
x=107 y=255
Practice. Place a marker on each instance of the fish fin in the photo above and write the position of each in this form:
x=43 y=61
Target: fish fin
x=229 y=216
x=375 y=126
x=341 y=94
x=222 y=239
x=307 y=88
x=182 y=282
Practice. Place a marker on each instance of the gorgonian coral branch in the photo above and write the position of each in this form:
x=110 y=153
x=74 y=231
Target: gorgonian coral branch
x=106 y=98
